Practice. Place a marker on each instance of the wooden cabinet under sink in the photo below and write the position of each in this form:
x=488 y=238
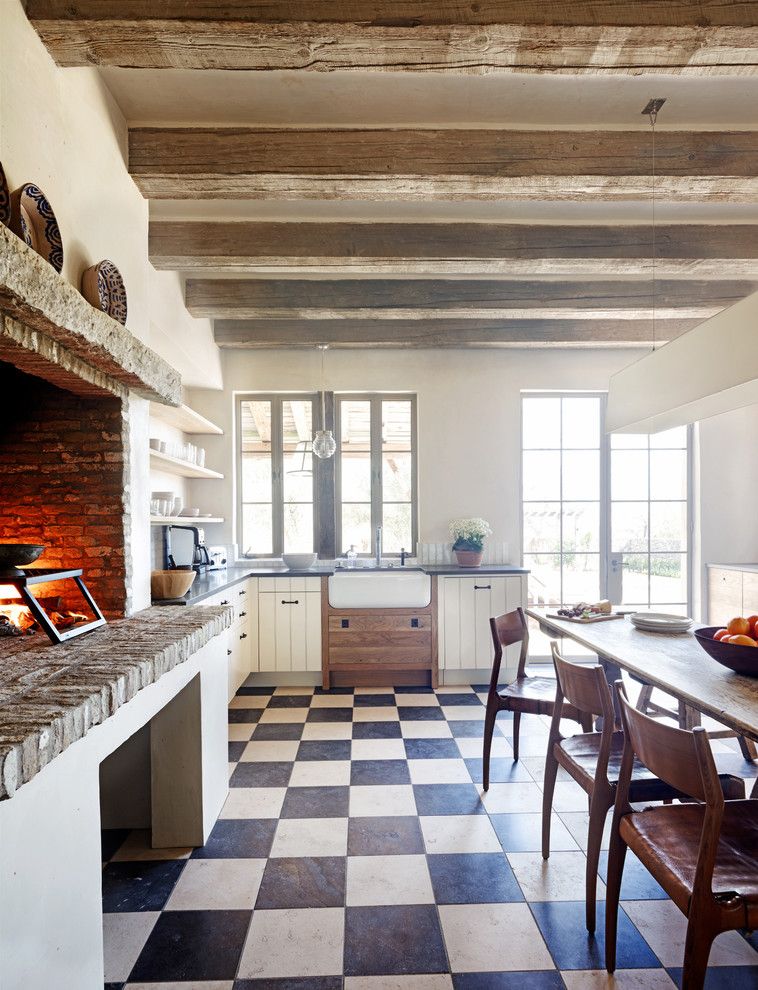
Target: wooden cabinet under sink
x=379 y=646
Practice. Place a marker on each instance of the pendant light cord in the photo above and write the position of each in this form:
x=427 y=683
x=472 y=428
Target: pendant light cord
x=653 y=117
x=322 y=348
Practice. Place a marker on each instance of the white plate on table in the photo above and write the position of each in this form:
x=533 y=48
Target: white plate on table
x=660 y=622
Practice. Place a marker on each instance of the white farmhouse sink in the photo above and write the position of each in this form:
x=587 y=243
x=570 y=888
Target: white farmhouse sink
x=380 y=589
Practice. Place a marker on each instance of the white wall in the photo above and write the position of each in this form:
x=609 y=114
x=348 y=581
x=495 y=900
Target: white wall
x=62 y=129
x=468 y=412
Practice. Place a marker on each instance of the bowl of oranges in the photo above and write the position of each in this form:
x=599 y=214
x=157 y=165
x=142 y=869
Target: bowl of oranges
x=734 y=645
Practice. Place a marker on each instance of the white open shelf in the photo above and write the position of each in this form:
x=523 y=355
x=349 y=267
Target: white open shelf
x=185 y=419
x=184 y=469
x=184 y=520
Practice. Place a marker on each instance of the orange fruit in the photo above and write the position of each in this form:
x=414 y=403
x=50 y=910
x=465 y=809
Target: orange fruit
x=752 y=619
x=738 y=626
x=742 y=641
x=721 y=634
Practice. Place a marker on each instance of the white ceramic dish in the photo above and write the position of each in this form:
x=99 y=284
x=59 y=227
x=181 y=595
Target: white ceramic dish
x=299 y=561
x=660 y=622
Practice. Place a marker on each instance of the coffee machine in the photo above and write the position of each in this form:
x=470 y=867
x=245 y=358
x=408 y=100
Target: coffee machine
x=180 y=551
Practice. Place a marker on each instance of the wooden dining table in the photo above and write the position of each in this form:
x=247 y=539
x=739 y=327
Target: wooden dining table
x=675 y=663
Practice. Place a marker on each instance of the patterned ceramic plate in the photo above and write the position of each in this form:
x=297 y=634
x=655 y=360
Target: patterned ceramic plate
x=103 y=287
x=33 y=220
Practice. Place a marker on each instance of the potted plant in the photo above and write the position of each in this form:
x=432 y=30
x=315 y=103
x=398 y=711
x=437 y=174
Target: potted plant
x=469 y=536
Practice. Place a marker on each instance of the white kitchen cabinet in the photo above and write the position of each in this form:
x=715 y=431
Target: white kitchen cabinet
x=289 y=624
x=465 y=607
x=242 y=637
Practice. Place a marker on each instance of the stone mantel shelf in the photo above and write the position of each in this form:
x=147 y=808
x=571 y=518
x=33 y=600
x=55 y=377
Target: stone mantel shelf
x=35 y=295
x=51 y=696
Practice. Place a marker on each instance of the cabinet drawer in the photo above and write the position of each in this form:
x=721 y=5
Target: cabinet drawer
x=286 y=585
x=381 y=638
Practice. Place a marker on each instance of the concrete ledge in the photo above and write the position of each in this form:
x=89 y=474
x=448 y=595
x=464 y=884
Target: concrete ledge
x=51 y=696
x=32 y=292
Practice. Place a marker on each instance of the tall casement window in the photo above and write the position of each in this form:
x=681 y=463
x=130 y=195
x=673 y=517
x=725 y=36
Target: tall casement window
x=603 y=517
x=376 y=472
x=276 y=511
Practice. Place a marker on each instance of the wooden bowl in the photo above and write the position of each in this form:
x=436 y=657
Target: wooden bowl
x=103 y=287
x=5 y=199
x=740 y=659
x=170 y=584
x=33 y=220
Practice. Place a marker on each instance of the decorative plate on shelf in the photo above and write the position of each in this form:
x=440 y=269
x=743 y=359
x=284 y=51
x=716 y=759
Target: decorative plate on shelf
x=103 y=287
x=5 y=199
x=33 y=220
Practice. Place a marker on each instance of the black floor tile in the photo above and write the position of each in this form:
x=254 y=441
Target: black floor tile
x=235 y=751
x=238 y=839
x=193 y=945
x=412 y=689
x=467 y=698
x=327 y=749
x=473 y=878
x=255 y=690
x=549 y=979
x=139 y=886
x=261 y=774
x=379 y=772
x=290 y=701
x=111 y=840
x=303 y=882
x=503 y=770
x=316 y=802
x=374 y=700
x=292 y=983
x=113 y=986
x=393 y=940
x=723 y=977
x=637 y=884
x=376 y=730
x=420 y=713
x=391 y=836
x=431 y=749
x=278 y=731
x=447 y=799
x=465 y=729
x=519 y=832
x=238 y=716
x=334 y=690
x=330 y=715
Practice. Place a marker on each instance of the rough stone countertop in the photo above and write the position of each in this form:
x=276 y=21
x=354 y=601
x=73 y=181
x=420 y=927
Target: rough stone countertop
x=50 y=696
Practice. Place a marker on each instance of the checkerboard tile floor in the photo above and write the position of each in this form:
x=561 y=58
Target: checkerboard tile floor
x=357 y=850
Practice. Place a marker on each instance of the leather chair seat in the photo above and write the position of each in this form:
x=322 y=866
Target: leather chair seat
x=536 y=695
x=667 y=840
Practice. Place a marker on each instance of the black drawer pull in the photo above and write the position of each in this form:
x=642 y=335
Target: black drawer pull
x=228 y=653
x=295 y=602
x=243 y=635
x=225 y=602
x=414 y=624
x=345 y=623
x=243 y=592
x=482 y=587
x=242 y=615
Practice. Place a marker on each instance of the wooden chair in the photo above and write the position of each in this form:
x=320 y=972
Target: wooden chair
x=594 y=761
x=528 y=695
x=704 y=855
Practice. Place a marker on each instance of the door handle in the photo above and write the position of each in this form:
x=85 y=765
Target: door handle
x=225 y=602
x=243 y=635
x=228 y=653
x=242 y=615
x=295 y=602
x=482 y=587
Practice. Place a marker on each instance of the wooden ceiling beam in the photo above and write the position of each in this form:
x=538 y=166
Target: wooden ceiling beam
x=439 y=299
x=444 y=333
x=443 y=164
x=475 y=250
x=448 y=36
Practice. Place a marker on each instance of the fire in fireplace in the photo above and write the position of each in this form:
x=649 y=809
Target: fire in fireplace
x=23 y=612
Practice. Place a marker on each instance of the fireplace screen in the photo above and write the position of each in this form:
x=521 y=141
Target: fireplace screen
x=26 y=604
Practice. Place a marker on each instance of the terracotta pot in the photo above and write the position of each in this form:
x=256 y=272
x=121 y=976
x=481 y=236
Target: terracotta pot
x=469 y=558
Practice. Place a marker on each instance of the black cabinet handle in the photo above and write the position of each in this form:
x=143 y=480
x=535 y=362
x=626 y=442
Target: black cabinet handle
x=225 y=602
x=242 y=615
x=295 y=602
x=482 y=587
x=243 y=635
x=242 y=592
x=228 y=653
x=415 y=624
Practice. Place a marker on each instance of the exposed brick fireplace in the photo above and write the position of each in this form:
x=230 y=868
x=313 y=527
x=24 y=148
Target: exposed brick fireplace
x=63 y=481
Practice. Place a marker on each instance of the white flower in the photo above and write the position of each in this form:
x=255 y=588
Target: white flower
x=472 y=530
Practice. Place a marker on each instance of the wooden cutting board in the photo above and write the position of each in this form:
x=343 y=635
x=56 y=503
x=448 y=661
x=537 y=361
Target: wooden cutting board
x=589 y=621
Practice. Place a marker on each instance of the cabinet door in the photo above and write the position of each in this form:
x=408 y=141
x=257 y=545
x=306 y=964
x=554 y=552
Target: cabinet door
x=724 y=594
x=289 y=630
x=267 y=631
x=467 y=604
x=749 y=593
x=305 y=632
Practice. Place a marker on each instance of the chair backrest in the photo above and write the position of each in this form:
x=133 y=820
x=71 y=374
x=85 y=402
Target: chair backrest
x=584 y=686
x=682 y=758
x=507 y=629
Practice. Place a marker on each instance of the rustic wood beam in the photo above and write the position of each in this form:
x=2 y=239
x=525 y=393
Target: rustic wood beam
x=422 y=164
x=449 y=36
x=683 y=251
x=427 y=299
x=444 y=333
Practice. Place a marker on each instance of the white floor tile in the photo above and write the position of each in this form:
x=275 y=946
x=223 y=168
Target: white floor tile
x=270 y=751
x=374 y=690
x=560 y=878
x=416 y=701
x=320 y=773
x=438 y=982
x=184 y=985
x=477 y=936
x=505 y=799
x=388 y=880
x=124 y=937
x=327 y=730
x=289 y=689
x=249 y=701
x=310 y=837
x=578 y=823
x=332 y=701
x=254 y=802
x=438 y=772
x=456 y=689
x=663 y=926
x=382 y=713
x=136 y=847
x=459 y=834
x=384 y=800
x=294 y=942
x=280 y=715
x=378 y=749
x=463 y=713
x=425 y=730
x=471 y=749
x=240 y=731
x=217 y=885
x=622 y=979
x=569 y=796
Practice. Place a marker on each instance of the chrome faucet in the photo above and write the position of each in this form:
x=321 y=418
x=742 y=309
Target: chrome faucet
x=378 y=546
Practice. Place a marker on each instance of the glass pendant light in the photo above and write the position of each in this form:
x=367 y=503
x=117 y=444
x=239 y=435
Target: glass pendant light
x=324 y=444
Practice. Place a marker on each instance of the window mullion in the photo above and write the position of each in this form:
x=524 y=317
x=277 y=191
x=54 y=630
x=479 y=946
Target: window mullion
x=376 y=464
x=277 y=468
